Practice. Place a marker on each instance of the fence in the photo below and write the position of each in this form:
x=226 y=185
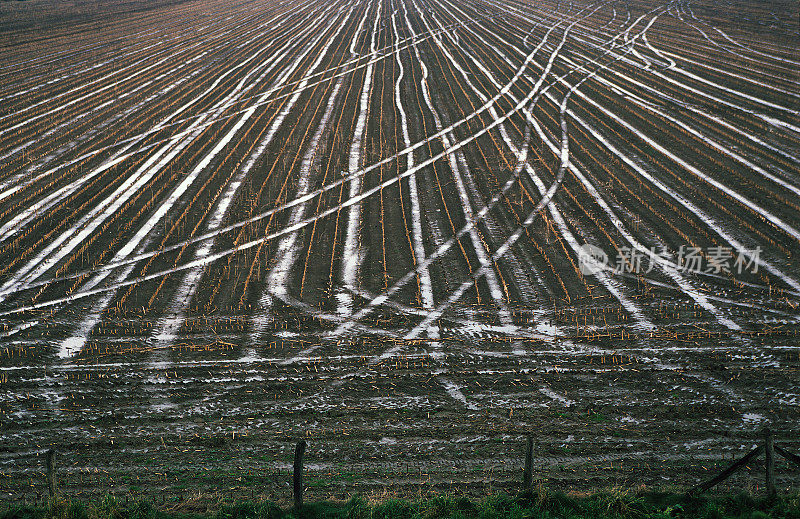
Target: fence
x=769 y=448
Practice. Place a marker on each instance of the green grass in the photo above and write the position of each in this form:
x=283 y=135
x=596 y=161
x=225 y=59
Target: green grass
x=540 y=504
x=598 y=418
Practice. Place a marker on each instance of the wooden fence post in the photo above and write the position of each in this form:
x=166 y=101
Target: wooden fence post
x=297 y=479
x=50 y=461
x=527 y=475
x=792 y=458
x=725 y=474
x=769 y=461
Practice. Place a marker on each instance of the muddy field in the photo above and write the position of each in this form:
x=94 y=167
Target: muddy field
x=227 y=225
